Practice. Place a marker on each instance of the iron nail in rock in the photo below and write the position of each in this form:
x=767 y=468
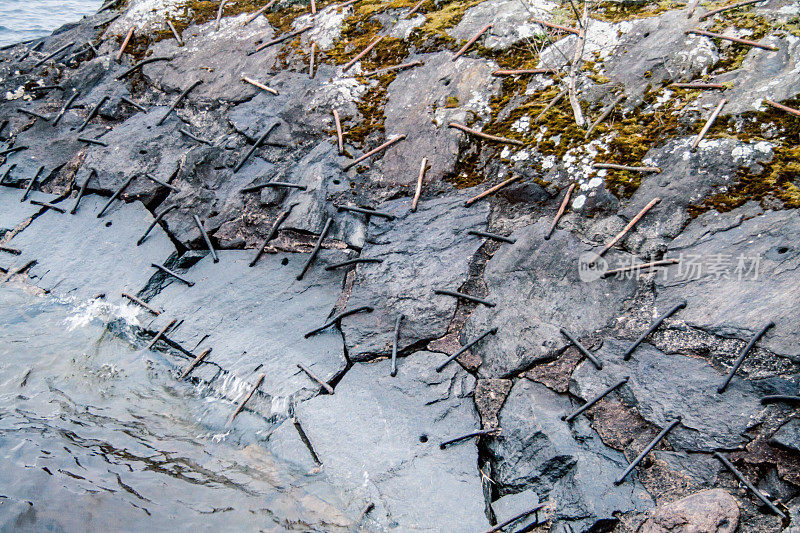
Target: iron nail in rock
x=259 y=85
x=363 y=211
x=415 y=8
x=196 y=361
x=423 y=167
x=93 y=113
x=206 y=238
x=153 y=224
x=707 y=125
x=479 y=433
x=161 y=182
x=367 y=508
x=92 y=141
x=175 y=33
x=255 y=145
x=482 y=135
x=316 y=249
x=219 y=14
x=733 y=40
x=9 y=250
x=178 y=101
x=386 y=70
x=254 y=188
x=569 y=418
x=627 y=228
x=513 y=519
x=116 y=195
x=737 y=5
x=48 y=205
x=692 y=7
x=463 y=296
x=7 y=173
x=518 y=72
x=33 y=114
x=550 y=105
x=45 y=88
x=471 y=41
x=311 y=59
x=124 y=45
x=740 y=359
x=30 y=184
x=244 y=401
x=613 y=166
x=134 y=104
x=453 y=357
x=586 y=353
x=255 y=15
x=141 y=303
x=142 y=63
x=491 y=190
x=698 y=85
x=395 y=339
x=161 y=333
x=271 y=235
x=338 y=318
x=355 y=261
x=362 y=53
x=776 y=398
x=324 y=385
x=627 y=355
x=640 y=266
x=175 y=275
x=195 y=137
x=782 y=107
x=374 y=151
x=306 y=442
x=54 y=54
x=556 y=26
x=18 y=270
x=66 y=107
x=12 y=150
x=81 y=192
x=757 y=493
x=607 y=111
x=560 y=213
x=280 y=39
x=647 y=450
x=339 y=135
x=493 y=236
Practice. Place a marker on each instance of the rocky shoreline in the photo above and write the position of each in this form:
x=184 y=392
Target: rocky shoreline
x=349 y=216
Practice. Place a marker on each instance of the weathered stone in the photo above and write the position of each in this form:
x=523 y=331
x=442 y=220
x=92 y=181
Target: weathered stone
x=536 y=286
x=510 y=22
x=421 y=251
x=393 y=427
x=513 y=505
x=78 y=256
x=489 y=397
x=712 y=511
x=13 y=213
x=453 y=92
x=737 y=273
x=254 y=322
x=568 y=466
x=709 y=420
x=788 y=436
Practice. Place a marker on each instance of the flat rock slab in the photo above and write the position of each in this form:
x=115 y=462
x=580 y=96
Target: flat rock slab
x=13 y=213
x=788 y=436
x=663 y=387
x=537 y=288
x=378 y=437
x=713 y=511
x=423 y=116
x=254 y=319
x=686 y=178
x=567 y=465
x=421 y=251
x=79 y=256
x=137 y=146
x=510 y=22
x=739 y=270
x=512 y=505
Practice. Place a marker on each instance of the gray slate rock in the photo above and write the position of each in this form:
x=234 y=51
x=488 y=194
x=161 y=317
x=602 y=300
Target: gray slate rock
x=663 y=387
x=537 y=288
x=79 y=256
x=788 y=436
x=421 y=251
x=378 y=437
x=509 y=20
x=513 y=505
x=568 y=466
x=13 y=212
x=722 y=303
x=712 y=511
x=254 y=321
x=423 y=117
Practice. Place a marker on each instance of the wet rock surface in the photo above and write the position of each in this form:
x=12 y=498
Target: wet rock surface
x=727 y=211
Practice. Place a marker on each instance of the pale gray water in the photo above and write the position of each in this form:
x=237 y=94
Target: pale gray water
x=22 y=20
